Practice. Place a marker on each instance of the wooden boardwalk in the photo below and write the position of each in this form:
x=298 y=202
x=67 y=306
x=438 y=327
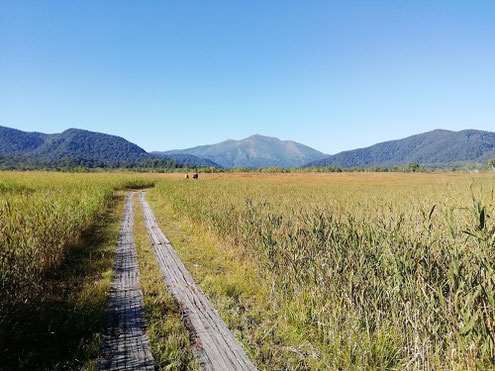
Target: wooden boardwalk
x=125 y=345
x=214 y=344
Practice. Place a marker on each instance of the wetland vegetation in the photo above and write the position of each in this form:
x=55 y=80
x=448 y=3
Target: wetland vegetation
x=310 y=271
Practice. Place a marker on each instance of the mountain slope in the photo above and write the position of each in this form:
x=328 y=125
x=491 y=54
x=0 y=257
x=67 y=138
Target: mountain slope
x=89 y=145
x=431 y=148
x=254 y=152
x=15 y=141
x=72 y=143
x=186 y=159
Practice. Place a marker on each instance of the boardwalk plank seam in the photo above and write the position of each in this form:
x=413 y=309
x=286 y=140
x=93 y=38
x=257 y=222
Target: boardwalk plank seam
x=125 y=345
x=214 y=344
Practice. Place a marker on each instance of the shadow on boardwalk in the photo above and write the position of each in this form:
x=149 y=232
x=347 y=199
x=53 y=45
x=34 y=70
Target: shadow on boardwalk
x=125 y=345
x=55 y=330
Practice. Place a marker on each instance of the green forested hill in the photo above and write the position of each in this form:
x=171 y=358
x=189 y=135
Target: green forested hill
x=85 y=144
x=74 y=148
x=433 y=148
x=72 y=143
x=17 y=142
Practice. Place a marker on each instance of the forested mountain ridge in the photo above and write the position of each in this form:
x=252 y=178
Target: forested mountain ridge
x=72 y=143
x=15 y=141
x=76 y=147
x=436 y=147
x=90 y=145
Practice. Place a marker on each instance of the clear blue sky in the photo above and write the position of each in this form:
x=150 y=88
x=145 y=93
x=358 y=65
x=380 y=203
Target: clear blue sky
x=334 y=75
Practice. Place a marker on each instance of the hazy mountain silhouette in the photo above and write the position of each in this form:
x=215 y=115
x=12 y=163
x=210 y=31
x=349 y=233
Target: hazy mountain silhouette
x=255 y=151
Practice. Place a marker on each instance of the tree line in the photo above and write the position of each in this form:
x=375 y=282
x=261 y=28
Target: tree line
x=22 y=162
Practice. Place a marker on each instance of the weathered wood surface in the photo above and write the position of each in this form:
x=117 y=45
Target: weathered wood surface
x=125 y=345
x=214 y=344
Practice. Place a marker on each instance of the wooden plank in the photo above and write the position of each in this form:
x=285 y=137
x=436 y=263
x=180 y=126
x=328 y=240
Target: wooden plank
x=125 y=345
x=214 y=344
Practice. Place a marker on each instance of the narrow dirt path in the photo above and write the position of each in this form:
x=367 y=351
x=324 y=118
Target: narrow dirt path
x=214 y=344
x=125 y=345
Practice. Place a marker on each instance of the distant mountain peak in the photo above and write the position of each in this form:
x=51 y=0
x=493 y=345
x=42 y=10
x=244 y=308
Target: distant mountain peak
x=264 y=137
x=254 y=151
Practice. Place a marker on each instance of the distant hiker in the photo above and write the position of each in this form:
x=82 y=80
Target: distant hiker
x=186 y=176
x=195 y=176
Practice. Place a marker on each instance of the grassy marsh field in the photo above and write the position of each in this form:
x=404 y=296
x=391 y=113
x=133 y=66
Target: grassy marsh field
x=57 y=242
x=310 y=271
x=347 y=271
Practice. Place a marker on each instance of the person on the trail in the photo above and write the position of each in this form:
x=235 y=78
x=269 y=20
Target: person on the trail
x=195 y=176
x=186 y=176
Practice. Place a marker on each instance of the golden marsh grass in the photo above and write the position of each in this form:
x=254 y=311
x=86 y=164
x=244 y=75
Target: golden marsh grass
x=372 y=270
x=311 y=271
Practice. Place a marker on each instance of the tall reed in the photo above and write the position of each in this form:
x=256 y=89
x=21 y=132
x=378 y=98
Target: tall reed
x=41 y=215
